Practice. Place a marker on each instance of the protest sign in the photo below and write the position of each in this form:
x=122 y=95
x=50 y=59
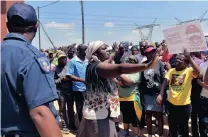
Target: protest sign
x=189 y=35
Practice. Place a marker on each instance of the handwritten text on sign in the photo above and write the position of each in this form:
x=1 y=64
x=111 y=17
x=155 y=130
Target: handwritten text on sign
x=189 y=36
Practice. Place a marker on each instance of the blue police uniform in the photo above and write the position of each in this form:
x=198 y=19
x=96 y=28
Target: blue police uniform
x=26 y=83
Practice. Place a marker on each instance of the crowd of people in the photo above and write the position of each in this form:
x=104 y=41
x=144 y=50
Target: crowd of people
x=140 y=82
x=172 y=87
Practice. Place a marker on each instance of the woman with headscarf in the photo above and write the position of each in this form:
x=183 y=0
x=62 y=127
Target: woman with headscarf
x=135 y=50
x=101 y=101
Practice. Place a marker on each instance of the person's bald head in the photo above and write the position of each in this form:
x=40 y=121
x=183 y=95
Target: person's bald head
x=81 y=50
x=81 y=47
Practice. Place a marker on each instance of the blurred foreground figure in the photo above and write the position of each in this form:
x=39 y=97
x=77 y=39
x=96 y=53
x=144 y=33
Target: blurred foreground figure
x=27 y=86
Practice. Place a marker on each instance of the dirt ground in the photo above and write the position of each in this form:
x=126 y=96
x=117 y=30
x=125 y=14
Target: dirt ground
x=143 y=131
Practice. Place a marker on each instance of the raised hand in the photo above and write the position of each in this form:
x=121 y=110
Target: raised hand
x=186 y=54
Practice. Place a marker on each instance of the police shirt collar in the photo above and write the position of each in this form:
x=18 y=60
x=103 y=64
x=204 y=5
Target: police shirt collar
x=16 y=36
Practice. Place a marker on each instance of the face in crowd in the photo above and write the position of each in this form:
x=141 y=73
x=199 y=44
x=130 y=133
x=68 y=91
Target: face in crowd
x=134 y=50
x=102 y=53
x=143 y=46
x=81 y=50
x=70 y=53
x=121 y=49
x=62 y=61
x=181 y=62
x=150 y=52
x=164 y=47
x=50 y=55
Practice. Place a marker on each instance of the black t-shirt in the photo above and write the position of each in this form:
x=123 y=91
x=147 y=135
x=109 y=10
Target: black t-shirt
x=152 y=79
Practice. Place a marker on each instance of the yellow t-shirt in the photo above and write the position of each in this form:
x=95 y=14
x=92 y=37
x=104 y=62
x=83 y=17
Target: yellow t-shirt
x=180 y=84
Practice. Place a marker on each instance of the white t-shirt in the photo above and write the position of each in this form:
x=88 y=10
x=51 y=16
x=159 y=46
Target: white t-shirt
x=203 y=69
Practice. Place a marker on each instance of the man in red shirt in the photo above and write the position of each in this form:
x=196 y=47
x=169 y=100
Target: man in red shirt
x=165 y=55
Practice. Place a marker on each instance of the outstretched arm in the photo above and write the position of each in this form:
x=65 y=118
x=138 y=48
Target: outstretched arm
x=107 y=70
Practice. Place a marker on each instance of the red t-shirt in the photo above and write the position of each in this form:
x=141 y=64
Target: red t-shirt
x=166 y=56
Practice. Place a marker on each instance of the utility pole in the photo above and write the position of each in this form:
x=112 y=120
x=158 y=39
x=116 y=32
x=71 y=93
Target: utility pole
x=39 y=27
x=47 y=36
x=150 y=27
x=83 y=28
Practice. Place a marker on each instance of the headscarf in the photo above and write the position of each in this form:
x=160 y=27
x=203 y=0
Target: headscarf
x=58 y=52
x=92 y=48
x=135 y=46
x=61 y=55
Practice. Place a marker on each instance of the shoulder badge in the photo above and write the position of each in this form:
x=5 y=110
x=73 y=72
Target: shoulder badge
x=44 y=64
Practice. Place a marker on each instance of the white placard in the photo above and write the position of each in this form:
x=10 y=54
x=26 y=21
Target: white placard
x=189 y=35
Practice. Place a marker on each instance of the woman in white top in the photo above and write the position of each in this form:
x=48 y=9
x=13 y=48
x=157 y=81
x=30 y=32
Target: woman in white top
x=101 y=101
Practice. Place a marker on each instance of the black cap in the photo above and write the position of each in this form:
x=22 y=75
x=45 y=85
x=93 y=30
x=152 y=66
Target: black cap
x=21 y=15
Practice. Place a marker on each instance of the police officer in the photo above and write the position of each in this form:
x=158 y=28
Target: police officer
x=27 y=86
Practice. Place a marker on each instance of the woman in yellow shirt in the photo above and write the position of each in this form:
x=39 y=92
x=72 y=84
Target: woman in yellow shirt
x=179 y=102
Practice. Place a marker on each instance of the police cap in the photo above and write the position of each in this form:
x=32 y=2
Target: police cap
x=21 y=15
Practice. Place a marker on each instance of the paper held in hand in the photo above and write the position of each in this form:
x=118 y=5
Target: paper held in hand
x=189 y=36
